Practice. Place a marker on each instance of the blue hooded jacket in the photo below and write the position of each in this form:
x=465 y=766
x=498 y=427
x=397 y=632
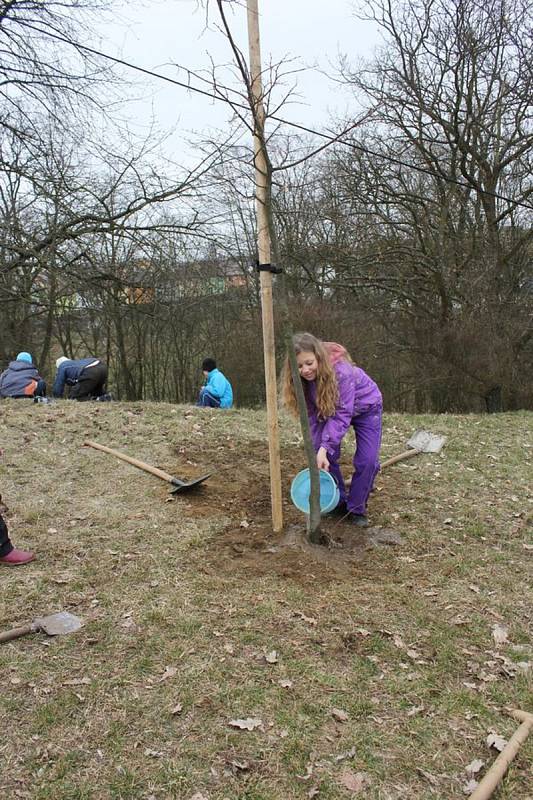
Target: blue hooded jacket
x=20 y=379
x=217 y=385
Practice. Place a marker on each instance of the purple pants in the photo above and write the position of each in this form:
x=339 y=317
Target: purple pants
x=367 y=427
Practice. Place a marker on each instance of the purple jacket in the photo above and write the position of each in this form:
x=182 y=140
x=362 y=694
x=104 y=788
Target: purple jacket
x=357 y=393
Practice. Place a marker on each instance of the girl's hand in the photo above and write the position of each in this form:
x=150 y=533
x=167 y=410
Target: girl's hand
x=322 y=459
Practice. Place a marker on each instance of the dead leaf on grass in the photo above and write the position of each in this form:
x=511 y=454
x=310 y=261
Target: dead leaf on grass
x=343 y=756
x=309 y=620
x=428 y=776
x=339 y=714
x=248 y=724
x=153 y=753
x=168 y=673
x=474 y=766
x=496 y=741
x=199 y=796
x=178 y=708
x=353 y=781
x=313 y=791
x=285 y=683
x=470 y=786
x=271 y=657
x=499 y=633
x=245 y=523
x=77 y=682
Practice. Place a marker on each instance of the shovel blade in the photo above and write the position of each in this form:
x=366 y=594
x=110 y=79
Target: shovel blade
x=426 y=442
x=185 y=486
x=56 y=624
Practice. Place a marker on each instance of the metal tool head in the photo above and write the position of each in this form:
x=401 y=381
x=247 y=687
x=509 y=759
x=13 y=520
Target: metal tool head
x=185 y=486
x=426 y=442
x=56 y=624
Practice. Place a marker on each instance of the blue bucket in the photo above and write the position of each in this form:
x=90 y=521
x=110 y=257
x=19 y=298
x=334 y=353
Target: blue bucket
x=301 y=488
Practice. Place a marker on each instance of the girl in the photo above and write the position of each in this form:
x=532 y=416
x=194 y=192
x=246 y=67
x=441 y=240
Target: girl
x=338 y=394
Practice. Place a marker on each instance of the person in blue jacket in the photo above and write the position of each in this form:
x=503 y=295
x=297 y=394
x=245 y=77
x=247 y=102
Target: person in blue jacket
x=85 y=377
x=216 y=391
x=21 y=379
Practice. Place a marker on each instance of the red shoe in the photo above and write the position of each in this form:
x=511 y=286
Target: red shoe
x=16 y=557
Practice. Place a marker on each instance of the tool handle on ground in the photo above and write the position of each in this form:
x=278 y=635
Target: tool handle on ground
x=400 y=457
x=146 y=467
x=490 y=781
x=16 y=632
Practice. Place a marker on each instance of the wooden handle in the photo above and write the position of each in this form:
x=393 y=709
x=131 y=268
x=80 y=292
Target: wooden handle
x=16 y=632
x=490 y=781
x=400 y=457
x=146 y=467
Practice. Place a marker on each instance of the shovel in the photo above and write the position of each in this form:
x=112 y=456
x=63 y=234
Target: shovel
x=53 y=625
x=180 y=486
x=420 y=442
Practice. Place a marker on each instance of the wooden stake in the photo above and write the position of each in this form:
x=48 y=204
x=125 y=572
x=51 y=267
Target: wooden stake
x=262 y=197
x=490 y=781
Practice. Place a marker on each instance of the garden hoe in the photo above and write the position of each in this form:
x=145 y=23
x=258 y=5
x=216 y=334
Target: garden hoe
x=53 y=625
x=180 y=486
x=420 y=442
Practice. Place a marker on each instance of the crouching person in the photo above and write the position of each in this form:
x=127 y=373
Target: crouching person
x=21 y=379
x=85 y=377
x=216 y=391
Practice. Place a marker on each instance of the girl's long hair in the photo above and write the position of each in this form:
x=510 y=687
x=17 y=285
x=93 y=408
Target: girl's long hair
x=327 y=391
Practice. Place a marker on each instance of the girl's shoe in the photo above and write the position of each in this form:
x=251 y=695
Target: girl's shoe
x=360 y=520
x=17 y=557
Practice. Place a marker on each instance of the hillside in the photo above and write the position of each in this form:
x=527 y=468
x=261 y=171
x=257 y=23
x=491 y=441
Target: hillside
x=366 y=669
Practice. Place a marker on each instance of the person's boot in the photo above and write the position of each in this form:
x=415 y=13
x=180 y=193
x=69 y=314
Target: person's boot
x=340 y=510
x=359 y=520
x=17 y=557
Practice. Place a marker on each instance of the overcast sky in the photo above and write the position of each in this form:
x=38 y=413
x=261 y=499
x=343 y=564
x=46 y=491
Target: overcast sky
x=157 y=33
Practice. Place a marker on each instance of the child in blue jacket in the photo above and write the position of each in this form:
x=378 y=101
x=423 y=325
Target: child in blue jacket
x=216 y=391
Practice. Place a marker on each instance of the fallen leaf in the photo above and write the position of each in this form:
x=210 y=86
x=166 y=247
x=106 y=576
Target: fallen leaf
x=272 y=657
x=199 y=796
x=499 y=633
x=496 y=741
x=339 y=714
x=248 y=724
x=345 y=755
x=354 y=781
x=245 y=524
x=285 y=683
x=77 y=682
x=313 y=791
x=309 y=620
x=153 y=753
x=474 y=588
x=168 y=673
x=428 y=776
x=178 y=708
x=474 y=766
x=470 y=786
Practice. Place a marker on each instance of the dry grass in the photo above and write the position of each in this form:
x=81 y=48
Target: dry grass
x=181 y=604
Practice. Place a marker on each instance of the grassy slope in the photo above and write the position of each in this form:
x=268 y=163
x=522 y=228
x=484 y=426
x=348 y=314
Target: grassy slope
x=175 y=621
